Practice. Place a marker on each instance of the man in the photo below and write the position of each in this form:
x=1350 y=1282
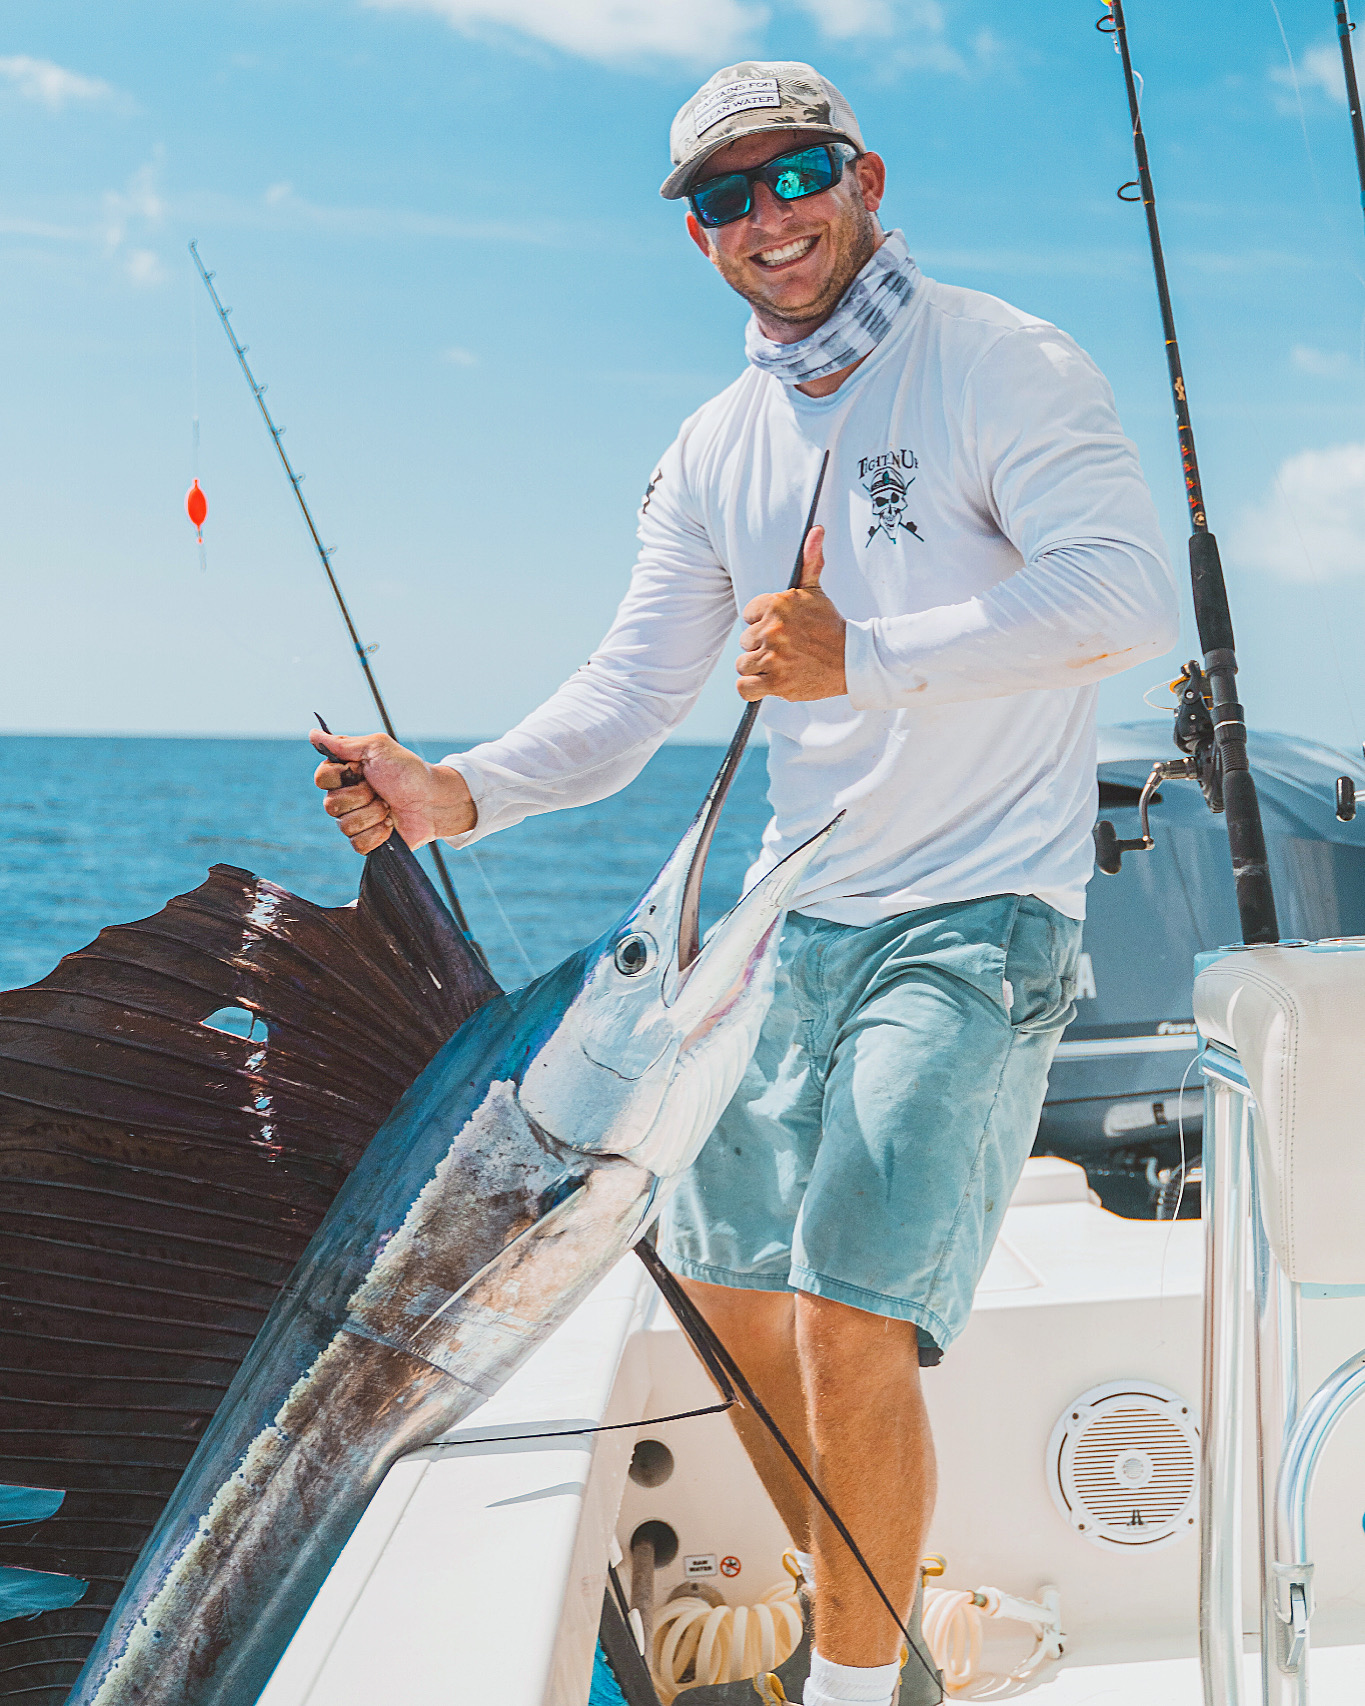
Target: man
x=988 y=552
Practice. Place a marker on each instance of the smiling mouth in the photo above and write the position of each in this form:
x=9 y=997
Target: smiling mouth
x=786 y=253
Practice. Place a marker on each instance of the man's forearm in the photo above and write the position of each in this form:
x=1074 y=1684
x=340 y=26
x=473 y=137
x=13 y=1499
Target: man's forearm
x=1073 y=616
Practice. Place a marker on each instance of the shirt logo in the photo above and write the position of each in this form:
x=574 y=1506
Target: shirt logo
x=887 y=480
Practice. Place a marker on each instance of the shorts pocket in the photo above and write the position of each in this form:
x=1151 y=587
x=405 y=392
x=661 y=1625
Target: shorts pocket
x=1041 y=963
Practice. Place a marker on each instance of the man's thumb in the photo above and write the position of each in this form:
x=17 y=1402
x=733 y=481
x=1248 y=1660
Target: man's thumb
x=812 y=558
x=351 y=750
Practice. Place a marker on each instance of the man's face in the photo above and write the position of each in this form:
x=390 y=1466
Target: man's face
x=793 y=260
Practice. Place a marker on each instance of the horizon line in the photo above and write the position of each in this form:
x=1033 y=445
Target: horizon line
x=455 y=742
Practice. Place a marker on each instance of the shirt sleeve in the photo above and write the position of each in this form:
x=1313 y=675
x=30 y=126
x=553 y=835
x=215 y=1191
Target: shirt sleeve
x=598 y=731
x=1094 y=594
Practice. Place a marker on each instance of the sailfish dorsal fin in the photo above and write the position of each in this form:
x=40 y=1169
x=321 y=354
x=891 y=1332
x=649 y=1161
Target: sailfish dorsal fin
x=160 y=1176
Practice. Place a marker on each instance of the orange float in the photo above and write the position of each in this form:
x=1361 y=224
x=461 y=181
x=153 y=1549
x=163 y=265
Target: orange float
x=197 y=508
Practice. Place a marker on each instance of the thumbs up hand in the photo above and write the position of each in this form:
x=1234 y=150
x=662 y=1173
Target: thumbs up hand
x=794 y=641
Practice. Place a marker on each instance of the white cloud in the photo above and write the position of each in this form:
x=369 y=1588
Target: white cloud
x=283 y=206
x=138 y=203
x=690 y=30
x=458 y=357
x=43 y=228
x=843 y=20
x=130 y=216
x=703 y=33
x=1320 y=363
x=144 y=266
x=51 y=85
x=1319 y=68
x=1311 y=524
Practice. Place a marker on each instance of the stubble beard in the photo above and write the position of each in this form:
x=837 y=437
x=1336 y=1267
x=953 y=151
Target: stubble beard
x=855 y=242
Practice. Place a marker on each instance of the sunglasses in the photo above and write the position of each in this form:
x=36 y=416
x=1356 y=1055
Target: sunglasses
x=803 y=172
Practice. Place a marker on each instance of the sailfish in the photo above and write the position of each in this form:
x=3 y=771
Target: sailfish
x=242 y=1274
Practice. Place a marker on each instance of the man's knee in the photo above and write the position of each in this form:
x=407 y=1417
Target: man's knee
x=835 y=1335
x=742 y=1313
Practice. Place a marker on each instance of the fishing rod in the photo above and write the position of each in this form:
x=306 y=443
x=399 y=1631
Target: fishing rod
x=1210 y=723
x=1348 y=65
x=324 y=552
x=689 y=929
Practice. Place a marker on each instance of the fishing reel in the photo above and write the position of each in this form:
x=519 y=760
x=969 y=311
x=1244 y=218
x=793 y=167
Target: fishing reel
x=1194 y=736
x=1109 y=848
x=1194 y=732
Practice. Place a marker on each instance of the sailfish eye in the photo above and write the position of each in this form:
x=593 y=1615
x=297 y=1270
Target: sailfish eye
x=635 y=953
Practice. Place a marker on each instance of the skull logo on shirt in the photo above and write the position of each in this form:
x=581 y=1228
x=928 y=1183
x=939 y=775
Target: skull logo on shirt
x=886 y=479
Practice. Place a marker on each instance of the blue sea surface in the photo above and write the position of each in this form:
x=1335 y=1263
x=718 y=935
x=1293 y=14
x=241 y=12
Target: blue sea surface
x=104 y=830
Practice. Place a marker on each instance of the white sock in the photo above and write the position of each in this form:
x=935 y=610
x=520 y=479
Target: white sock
x=849 y=1685
x=806 y=1564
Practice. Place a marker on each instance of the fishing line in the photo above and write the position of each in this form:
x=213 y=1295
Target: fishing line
x=1180 y=1123
x=1324 y=211
x=1298 y=102
x=1157 y=687
x=1218 y=754
x=729 y=1376
x=600 y=1427
x=194 y=409
x=1329 y=223
x=1234 y=378
x=325 y=553
x=1180 y=1194
x=507 y=923
x=1247 y=412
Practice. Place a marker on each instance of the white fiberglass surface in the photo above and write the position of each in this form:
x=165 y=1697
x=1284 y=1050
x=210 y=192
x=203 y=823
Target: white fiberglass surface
x=1338 y=1679
x=477 y=1573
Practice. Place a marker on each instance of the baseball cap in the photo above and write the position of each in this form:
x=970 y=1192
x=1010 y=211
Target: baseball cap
x=755 y=95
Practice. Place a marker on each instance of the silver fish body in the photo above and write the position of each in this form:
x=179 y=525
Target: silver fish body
x=535 y=1148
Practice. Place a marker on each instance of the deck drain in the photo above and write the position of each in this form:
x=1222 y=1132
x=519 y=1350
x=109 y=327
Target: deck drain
x=1123 y=1465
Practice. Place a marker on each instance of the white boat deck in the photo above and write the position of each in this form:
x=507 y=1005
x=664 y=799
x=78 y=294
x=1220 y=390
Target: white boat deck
x=1336 y=1676
x=477 y=1573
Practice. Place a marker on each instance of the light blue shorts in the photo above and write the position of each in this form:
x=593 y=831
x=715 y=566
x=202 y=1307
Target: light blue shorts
x=871 y=1150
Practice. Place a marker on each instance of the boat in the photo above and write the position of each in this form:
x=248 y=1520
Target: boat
x=483 y=1568
x=593 y=1533
x=1123 y=1099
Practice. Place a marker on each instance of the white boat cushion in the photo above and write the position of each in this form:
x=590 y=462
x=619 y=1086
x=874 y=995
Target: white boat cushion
x=1295 y=1018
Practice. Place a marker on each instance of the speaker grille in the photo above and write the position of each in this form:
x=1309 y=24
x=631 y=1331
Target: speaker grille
x=1123 y=1465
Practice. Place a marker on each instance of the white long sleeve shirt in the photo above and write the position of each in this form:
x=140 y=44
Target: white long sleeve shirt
x=993 y=545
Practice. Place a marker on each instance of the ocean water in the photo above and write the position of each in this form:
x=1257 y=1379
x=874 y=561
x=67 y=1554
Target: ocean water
x=105 y=830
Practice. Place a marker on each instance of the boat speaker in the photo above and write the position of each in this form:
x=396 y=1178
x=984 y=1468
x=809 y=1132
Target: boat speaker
x=1123 y=1465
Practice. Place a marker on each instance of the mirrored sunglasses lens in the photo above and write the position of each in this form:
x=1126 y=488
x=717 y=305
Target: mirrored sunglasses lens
x=804 y=173
x=722 y=200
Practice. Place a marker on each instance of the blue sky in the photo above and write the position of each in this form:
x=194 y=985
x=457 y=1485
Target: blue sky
x=438 y=224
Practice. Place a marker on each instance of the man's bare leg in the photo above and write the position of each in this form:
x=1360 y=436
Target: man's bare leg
x=758 y=1328
x=844 y=1386
x=874 y=1462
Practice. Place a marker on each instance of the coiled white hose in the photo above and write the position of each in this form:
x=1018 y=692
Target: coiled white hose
x=723 y=1643
x=951 y=1622
x=952 y=1631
